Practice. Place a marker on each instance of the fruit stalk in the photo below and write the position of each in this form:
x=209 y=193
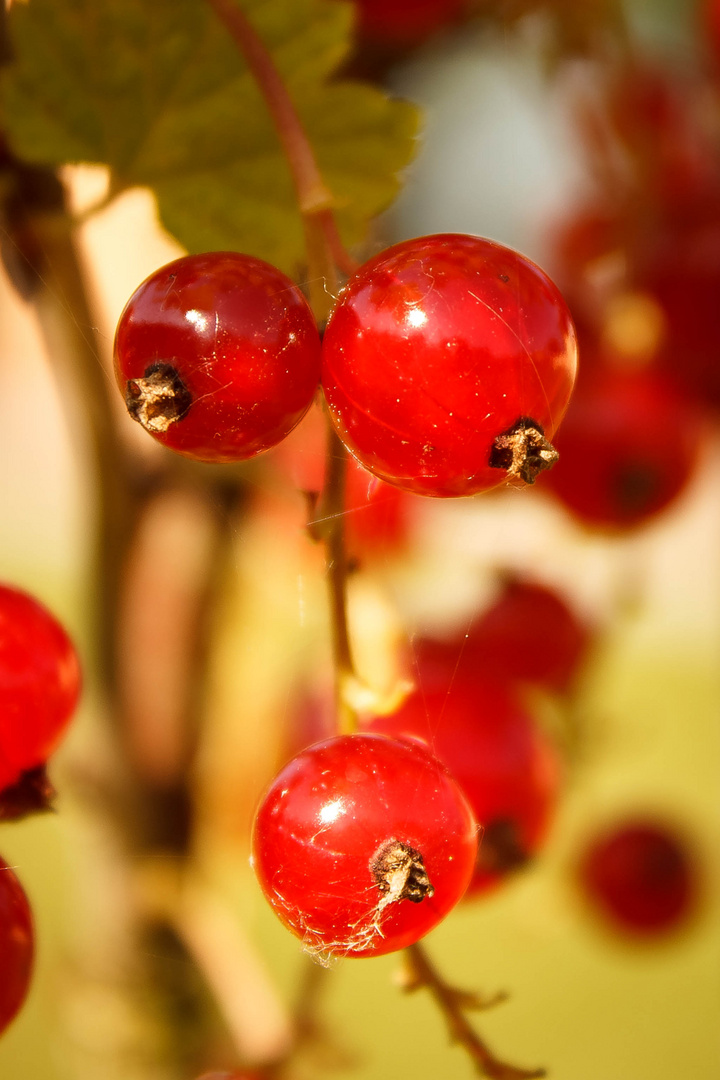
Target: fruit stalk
x=315 y=201
x=453 y=1004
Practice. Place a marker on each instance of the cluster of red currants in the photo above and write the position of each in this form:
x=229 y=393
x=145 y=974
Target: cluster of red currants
x=640 y=268
x=446 y=366
x=356 y=795
x=447 y=363
x=39 y=689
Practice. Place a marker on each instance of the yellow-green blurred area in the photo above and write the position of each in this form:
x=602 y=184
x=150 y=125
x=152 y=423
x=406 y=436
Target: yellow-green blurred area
x=583 y=1001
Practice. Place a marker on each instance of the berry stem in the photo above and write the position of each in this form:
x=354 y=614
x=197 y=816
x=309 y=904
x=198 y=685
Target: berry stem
x=332 y=518
x=315 y=200
x=453 y=1004
x=313 y=195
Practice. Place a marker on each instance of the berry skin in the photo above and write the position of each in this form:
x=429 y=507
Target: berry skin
x=377 y=517
x=39 y=683
x=682 y=272
x=448 y=363
x=641 y=877
x=218 y=356
x=528 y=635
x=362 y=844
x=710 y=16
x=629 y=446
x=16 y=945
x=234 y=1075
x=507 y=768
x=404 y=22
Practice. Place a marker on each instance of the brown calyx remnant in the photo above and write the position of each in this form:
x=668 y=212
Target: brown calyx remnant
x=400 y=874
x=32 y=794
x=523 y=450
x=501 y=849
x=159 y=399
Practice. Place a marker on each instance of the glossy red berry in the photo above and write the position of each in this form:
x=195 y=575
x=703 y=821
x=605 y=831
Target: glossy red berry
x=508 y=769
x=363 y=844
x=16 y=945
x=629 y=446
x=39 y=683
x=642 y=877
x=448 y=363
x=218 y=356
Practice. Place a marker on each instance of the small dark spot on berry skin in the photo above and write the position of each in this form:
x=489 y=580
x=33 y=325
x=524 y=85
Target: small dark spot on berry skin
x=501 y=850
x=504 y=277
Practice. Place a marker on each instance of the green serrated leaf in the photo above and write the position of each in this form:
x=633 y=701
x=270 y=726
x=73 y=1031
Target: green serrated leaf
x=159 y=92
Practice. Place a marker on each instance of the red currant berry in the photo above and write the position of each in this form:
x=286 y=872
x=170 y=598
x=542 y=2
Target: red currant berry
x=405 y=22
x=363 y=844
x=630 y=443
x=642 y=877
x=710 y=16
x=448 y=363
x=681 y=270
x=16 y=945
x=39 y=683
x=218 y=356
x=529 y=634
x=509 y=771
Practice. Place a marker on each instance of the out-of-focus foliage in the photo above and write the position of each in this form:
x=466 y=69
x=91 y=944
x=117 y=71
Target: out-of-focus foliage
x=160 y=93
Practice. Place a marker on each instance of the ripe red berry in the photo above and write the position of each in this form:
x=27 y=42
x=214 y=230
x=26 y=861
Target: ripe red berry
x=507 y=768
x=710 y=23
x=16 y=945
x=39 y=683
x=681 y=270
x=529 y=634
x=641 y=877
x=448 y=363
x=404 y=22
x=629 y=445
x=363 y=844
x=218 y=356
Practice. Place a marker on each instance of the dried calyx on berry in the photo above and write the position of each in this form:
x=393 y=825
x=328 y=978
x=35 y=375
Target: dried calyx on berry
x=400 y=873
x=158 y=399
x=523 y=451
